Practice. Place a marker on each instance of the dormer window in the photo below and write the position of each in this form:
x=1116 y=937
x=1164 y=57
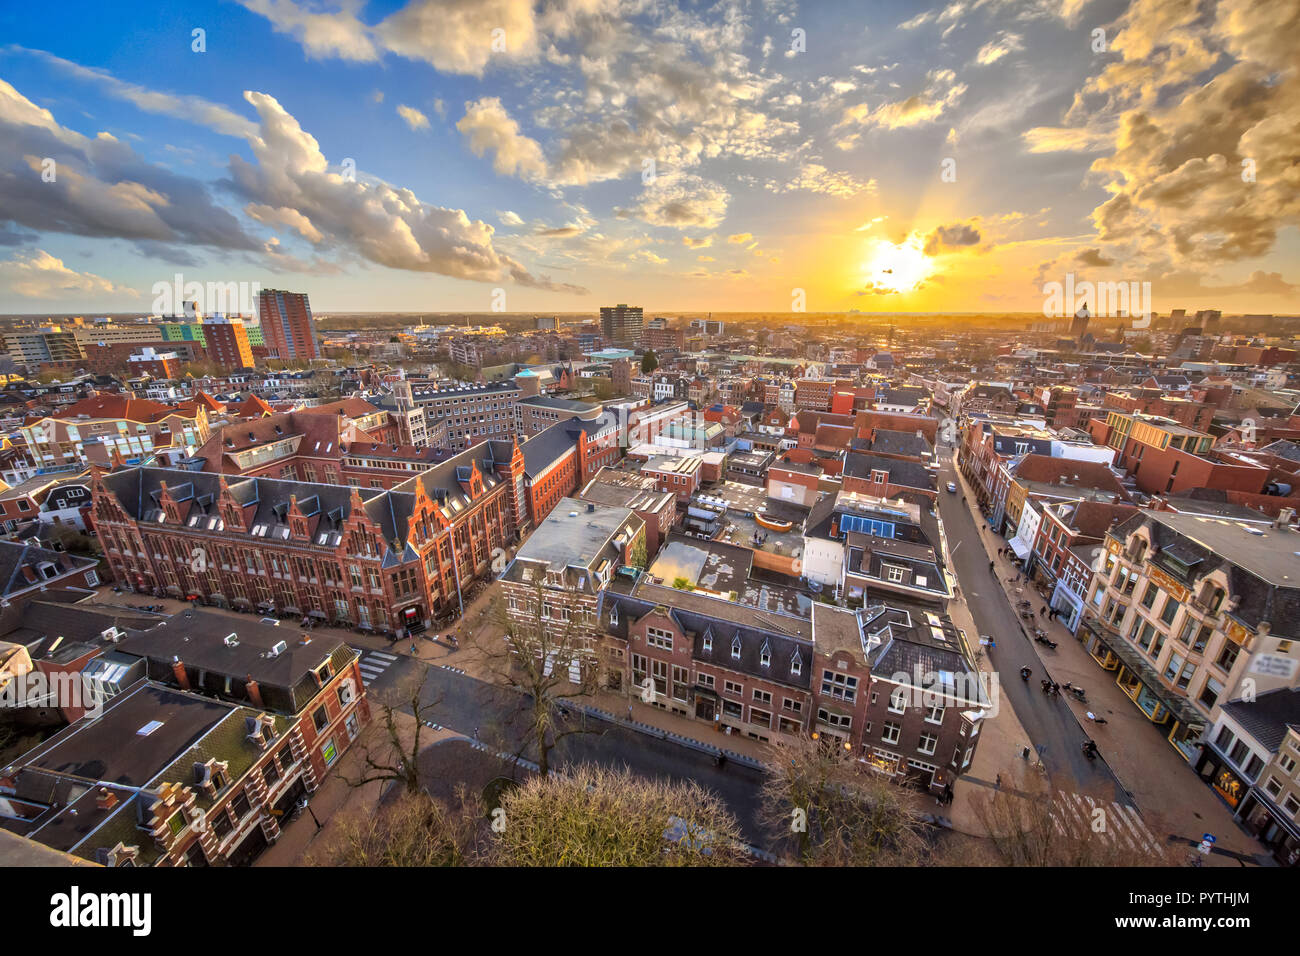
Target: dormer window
x=735 y=648
x=708 y=642
x=613 y=616
x=765 y=655
x=796 y=665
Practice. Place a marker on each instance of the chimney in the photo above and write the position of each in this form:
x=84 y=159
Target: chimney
x=182 y=678
x=254 y=692
x=106 y=799
x=1285 y=517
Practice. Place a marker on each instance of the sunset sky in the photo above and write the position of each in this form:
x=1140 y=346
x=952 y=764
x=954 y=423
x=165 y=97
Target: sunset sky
x=695 y=156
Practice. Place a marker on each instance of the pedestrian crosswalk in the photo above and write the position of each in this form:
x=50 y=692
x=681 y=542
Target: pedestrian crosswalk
x=373 y=664
x=1077 y=813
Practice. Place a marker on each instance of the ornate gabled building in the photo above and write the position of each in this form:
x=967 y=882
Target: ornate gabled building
x=383 y=559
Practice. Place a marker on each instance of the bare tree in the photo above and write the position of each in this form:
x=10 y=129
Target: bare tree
x=601 y=817
x=384 y=751
x=824 y=809
x=546 y=656
x=412 y=829
x=1034 y=823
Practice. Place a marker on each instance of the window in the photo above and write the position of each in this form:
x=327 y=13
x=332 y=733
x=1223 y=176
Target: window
x=680 y=689
x=934 y=714
x=843 y=721
x=1291 y=805
x=658 y=637
x=708 y=642
x=1169 y=611
x=731 y=687
x=659 y=672
x=761 y=717
x=794 y=706
x=320 y=718
x=1210 y=693
x=889 y=733
x=176 y=822
x=927 y=743
x=735 y=649
x=898 y=701
x=1227 y=657
x=1149 y=596
x=240 y=805
x=796 y=664
x=895 y=575
x=765 y=656
x=1272 y=787
x=763 y=696
x=330 y=752
x=840 y=686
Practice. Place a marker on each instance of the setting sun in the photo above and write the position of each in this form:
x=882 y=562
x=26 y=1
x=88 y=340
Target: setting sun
x=896 y=267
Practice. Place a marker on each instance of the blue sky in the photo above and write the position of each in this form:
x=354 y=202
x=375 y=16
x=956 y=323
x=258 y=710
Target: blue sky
x=875 y=156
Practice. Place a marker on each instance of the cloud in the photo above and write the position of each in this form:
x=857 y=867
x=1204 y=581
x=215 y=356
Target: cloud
x=816 y=178
x=701 y=243
x=384 y=224
x=740 y=238
x=1092 y=257
x=1004 y=44
x=489 y=129
x=284 y=218
x=414 y=118
x=680 y=201
x=509 y=218
x=1060 y=139
x=1197 y=100
x=958 y=235
x=453 y=36
x=101 y=187
x=336 y=33
x=942 y=92
x=39 y=275
x=192 y=109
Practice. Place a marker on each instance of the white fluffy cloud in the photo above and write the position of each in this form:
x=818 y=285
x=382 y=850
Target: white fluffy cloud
x=680 y=201
x=413 y=117
x=490 y=130
x=100 y=187
x=39 y=275
x=385 y=224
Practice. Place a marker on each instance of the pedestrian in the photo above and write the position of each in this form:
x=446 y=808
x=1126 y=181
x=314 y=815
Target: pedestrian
x=476 y=733
x=998 y=783
x=629 y=711
x=412 y=647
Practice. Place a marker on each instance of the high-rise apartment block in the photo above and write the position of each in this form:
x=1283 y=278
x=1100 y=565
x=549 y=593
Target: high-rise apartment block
x=621 y=324
x=287 y=325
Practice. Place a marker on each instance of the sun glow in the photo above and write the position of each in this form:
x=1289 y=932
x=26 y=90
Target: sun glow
x=896 y=267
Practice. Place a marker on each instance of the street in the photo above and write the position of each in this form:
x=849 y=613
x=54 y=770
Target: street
x=466 y=704
x=1048 y=721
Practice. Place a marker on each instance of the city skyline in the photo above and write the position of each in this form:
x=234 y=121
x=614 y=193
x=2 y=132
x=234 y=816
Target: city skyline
x=742 y=157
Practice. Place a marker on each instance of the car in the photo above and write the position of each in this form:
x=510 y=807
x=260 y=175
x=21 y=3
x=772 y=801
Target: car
x=952 y=487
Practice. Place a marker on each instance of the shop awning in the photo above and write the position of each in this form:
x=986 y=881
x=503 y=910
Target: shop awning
x=1180 y=707
x=1019 y=547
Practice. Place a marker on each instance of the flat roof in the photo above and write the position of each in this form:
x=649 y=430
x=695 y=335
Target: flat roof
x=113 y=748
x=575 y=532
x=1271 y=554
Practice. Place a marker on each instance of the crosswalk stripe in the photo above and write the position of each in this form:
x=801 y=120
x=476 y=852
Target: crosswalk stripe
x=1073 y=810
x=387 y=657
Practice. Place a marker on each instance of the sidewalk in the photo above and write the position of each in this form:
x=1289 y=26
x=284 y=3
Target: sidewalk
x=1173 y=800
